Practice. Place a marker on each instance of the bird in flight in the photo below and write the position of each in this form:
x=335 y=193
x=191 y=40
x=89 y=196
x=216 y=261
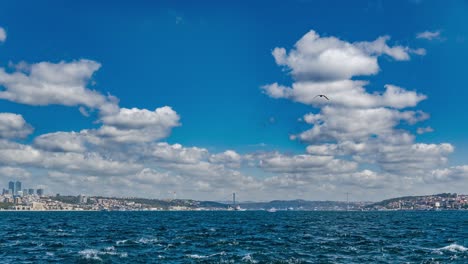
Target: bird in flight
x=322 y=95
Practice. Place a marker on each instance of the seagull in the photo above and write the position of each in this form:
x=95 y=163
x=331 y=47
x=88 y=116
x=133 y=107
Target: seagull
x=322 y=95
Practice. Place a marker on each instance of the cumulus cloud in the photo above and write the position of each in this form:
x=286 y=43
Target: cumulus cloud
x=14 y=173
x=341 y=124
x=14 y=126
x=62 y=83
x=61 y=141
x=355 y=129
x=314 y=164
x=329 y=58
x=344 y=93
x=429 y=35
x=92 y=163
x=139 y=125
x=456 y=173
x=228 y=157
x=3 y=34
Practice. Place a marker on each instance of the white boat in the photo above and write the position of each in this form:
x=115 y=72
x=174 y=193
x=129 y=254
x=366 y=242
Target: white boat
x=271 y=210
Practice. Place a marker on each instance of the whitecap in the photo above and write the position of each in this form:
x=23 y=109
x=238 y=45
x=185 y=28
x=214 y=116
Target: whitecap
x=147 y=240
x=111 y=248
x=120 y=242
x=90 y=254
x=454 y=248
x=196 y=256
x=248 y=258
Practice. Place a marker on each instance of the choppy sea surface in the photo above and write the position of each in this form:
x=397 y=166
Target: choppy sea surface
x=234 y=237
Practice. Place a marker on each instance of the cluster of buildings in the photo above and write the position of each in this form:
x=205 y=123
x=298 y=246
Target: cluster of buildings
x=14 y=189
x=16 y=195
x=430 y=202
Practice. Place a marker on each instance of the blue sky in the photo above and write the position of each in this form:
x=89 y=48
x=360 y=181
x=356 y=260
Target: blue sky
x=208 y=62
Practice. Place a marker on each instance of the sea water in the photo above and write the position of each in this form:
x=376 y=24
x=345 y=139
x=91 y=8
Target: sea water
x=234 y=237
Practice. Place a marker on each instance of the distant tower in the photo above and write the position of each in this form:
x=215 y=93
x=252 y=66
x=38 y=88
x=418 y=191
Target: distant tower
x=347 y=201
x=11 y=187
x=40 y=192
x=17 y=187
x=30 y=191
x=234 y=199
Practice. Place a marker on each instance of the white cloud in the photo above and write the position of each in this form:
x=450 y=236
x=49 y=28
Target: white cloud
x=139 y=125
x=88 y=163
x=229 y=158
x=364 y=129
x=3 y=34
x=344 y=93
x=62 y=83
x=451 y=174
x=320 y=59
x=316 y=164
x=412 y=159
x=14 y=126
x=429 y=35
x=176 y=154
x=341 y=124
x=61 y=141
x=423 y=130
x=14 y=173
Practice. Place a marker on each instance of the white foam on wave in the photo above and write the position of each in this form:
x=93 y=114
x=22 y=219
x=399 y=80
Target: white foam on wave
x=94 y=253
x=120 y=242
x=248 y=258
x=90 y=254
x=144 y=240
x=196 y=256
x=454 y=248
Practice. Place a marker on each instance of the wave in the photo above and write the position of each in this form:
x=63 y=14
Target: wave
x=95 y=254
x=248 y=258
x=196 y=256
x=453 y=248
x=90 y=254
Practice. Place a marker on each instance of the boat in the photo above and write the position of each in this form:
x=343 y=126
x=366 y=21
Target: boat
x=271 y=210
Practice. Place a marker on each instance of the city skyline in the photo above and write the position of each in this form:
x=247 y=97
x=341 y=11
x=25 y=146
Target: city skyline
x=181 y=100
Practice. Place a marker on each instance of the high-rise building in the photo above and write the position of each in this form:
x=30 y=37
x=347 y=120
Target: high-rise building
x=11 y=187
x=25 y=191
x=40 y=192
x=82 y=199
x=17 y=187
x=30 y=191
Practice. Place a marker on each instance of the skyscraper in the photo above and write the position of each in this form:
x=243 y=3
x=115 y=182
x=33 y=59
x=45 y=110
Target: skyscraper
x=40 y=192
x=11 y=187
x=17 y=187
